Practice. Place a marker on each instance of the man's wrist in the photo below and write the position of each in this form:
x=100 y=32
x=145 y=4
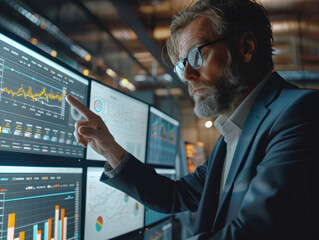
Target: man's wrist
x=110 y=172
x=114 y=155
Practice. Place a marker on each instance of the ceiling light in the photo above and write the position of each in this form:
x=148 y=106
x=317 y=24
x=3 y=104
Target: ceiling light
x=54 y=53
x=131 y=87
x=111 y=73
x=209 y=124
x=88 y=57
x=86 y=72
x=124 y=82
x=34 y=41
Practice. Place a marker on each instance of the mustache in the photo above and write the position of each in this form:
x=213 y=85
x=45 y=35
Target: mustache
x=193 y=86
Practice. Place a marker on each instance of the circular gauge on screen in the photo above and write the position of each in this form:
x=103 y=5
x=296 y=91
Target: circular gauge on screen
x=98 y=105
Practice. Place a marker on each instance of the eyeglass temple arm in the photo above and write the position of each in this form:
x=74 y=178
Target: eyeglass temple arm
x=216 y=41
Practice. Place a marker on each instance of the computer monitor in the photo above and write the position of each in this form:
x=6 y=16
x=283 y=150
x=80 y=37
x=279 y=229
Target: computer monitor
x=34 y=115
x=40 y=202
x=162 y=139
x=152 y=216
x=125 y=117
x=162 y=231
x=109 y=212
x=195 y=154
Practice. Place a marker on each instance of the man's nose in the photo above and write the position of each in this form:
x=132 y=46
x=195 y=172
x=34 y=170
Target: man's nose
x=190 y=74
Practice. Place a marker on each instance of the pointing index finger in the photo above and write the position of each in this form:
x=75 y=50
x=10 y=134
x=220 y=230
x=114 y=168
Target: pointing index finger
x=80 y=107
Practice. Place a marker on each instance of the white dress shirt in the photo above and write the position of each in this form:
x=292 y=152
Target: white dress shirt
x=231 y=126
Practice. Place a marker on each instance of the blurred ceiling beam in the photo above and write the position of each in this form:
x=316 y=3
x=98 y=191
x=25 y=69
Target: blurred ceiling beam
x=101 y=26
x=124 y=8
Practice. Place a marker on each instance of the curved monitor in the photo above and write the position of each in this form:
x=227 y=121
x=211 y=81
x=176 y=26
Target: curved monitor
x=125 y=117
x=196 y=156
x=34 y=115
x=40 y=202
x=109 y=212
x=162 y=139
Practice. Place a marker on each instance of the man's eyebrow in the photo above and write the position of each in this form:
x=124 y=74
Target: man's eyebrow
x=196 y=44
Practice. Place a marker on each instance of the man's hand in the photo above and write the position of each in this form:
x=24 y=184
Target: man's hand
x=94 y=132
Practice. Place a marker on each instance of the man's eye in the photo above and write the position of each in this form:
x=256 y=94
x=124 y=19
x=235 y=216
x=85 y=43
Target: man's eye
x=203 y=51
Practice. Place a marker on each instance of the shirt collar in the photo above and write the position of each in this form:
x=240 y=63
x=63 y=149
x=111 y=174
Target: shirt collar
x=226 y=124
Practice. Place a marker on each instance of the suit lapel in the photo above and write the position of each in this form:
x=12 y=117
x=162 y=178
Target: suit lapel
x=256 y=116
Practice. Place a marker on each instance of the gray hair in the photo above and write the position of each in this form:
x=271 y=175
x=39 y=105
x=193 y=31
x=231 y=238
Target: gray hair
x=229 y=18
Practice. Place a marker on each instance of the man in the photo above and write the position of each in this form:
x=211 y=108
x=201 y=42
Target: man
x=260 y=181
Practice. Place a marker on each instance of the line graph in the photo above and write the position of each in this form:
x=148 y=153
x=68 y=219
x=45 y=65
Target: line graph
x=42 y=96
x=28 y=90
x=120 y=212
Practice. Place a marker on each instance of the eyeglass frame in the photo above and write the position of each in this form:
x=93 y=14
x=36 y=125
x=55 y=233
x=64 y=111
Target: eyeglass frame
x=198 y=49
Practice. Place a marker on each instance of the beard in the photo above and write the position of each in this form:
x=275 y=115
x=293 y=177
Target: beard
x=224 y=95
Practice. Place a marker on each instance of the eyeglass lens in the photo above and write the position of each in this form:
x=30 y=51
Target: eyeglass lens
x=194 y=59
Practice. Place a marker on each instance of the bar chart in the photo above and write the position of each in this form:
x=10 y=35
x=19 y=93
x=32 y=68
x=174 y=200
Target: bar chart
x=59 y=229
x=39 y=206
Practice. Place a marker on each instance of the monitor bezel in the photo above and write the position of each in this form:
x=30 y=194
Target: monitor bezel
x=24 y=157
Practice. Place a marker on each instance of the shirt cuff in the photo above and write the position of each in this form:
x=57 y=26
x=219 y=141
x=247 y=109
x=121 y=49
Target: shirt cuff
x=112 y=172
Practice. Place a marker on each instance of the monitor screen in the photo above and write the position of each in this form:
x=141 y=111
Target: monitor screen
x=109 y=212
x=125 y=116
x=161 y=231
x=40 y=203
x=152 y=216
x=34 y=115
x=162 y=138
x=196 y=156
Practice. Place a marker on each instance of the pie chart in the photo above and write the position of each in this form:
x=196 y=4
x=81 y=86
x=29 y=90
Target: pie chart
x=98 y=105
x=136 y=207
x=99 y=223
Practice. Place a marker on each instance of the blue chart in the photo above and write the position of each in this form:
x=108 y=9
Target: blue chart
x=162 y=139
x=109 y=212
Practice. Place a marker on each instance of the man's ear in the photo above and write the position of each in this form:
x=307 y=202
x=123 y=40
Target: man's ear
x=247 y=46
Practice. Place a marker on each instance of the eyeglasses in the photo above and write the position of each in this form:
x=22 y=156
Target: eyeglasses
x=194 y=58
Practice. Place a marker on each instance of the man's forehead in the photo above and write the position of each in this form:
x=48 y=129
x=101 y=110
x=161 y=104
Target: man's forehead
x=197 y=32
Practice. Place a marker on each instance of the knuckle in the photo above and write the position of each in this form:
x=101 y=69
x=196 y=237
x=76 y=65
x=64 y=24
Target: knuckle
x=99 y=118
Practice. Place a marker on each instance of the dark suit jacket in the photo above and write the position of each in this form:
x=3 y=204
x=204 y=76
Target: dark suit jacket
x=271 y=189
